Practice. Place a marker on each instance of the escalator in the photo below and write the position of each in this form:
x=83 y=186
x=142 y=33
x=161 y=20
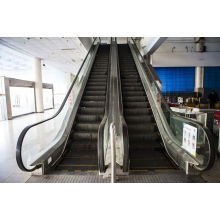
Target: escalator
x=114 y=86
x=81 y=150
x=158 y=137
x=146 y=149
x=73 y=138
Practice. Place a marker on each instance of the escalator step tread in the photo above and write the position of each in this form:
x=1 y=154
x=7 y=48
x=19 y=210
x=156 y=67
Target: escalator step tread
x=81 y=153
x=87 y=127
x=88 y=136
x=145 y=145
x=89 y=118
x=92 y=104
x=90 y=110
x=136 y=104
x=137 y=111
x=139 y=118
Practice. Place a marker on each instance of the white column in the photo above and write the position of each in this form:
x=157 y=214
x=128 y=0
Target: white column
x=199 y=79
x=38 y=85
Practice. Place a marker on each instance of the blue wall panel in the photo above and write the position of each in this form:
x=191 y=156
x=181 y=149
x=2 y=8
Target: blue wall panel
x=212 y=79
x=176 y=79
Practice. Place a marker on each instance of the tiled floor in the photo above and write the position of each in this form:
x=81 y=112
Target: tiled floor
x=9 y=132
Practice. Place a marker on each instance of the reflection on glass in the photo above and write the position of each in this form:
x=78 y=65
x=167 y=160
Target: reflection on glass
x=22 y=100
x=48 y=98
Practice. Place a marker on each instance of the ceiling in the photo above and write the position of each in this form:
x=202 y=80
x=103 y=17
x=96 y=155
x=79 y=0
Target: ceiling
x=188 y=44
x=64 y=53
x=67 y=53
x=11 y=60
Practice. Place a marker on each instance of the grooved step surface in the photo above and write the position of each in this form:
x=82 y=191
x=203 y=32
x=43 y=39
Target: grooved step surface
x=145 y=149
x=81 y=152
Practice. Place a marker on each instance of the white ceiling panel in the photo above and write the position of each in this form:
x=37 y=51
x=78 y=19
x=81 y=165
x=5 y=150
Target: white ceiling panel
x=64 y=53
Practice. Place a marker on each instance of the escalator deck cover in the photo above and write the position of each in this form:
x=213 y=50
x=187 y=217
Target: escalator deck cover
x=173 y=177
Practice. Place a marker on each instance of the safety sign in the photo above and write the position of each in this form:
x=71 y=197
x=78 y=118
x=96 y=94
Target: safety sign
x=189 y=138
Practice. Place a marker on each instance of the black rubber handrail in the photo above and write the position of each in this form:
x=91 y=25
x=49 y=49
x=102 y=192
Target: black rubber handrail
x=192 y=122
x=101 y=160
x=24 y=131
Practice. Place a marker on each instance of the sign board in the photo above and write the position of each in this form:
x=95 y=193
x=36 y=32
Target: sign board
x=189 y=138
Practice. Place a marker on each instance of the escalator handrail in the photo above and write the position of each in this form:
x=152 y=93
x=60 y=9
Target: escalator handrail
x=101 y=161
x=190 y=121
x=25 y=130
x=124 y=124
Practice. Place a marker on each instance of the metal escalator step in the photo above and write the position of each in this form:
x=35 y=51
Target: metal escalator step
x=148 y=137
x=127 y=63
x=137 y=111
x=129 y=66
x=135 y=98
x=128 y=70
x=91 y=81
x=89 y=118
x=142 y=154
x=95 y=88
x=98 y=76
x=82 y=153
x=136 y=105
x=154 y=159
x=126 y=60
x=94 y=98
x=90 y=127
x=142 y=148
x=82 y=147
x=132 y=80
x=103 y=65
x=96 y=83
x=135 y=84
x=94 y=93
x=132 y=88
x=139 y=118
x=86 y=160
x=151 y=165
x=130 y=76
x=91 y=111
x=92 y=104
x=133 y=93
x=142 y=128
x=99 y=72
x=85 y=136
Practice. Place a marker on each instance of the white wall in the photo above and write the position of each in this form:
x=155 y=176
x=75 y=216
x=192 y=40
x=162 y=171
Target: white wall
x=58 y=78
x=16 y=65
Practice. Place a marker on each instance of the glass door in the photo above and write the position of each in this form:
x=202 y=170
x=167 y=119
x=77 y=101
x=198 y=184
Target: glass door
x=22 y=100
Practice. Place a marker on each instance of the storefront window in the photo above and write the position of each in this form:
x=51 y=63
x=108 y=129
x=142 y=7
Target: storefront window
x=22 y=100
